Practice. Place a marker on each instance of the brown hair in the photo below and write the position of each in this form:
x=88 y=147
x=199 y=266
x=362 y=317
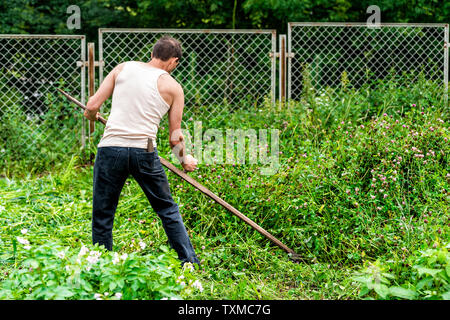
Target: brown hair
x=166 y=48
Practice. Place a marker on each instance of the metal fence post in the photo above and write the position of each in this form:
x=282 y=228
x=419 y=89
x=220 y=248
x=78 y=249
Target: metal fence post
x=289 y=75
x=282 y=72
x=100 y=56
x=274 y=65
x=83 y=90
x=91 y=79
x=446 y=45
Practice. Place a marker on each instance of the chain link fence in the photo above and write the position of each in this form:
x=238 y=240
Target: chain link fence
x=36 y=122
x=220 y=71
x=327 y=56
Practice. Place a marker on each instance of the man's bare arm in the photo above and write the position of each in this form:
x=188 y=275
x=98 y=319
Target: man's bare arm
x=176 y=138
x=104 y=92
x=176 y=115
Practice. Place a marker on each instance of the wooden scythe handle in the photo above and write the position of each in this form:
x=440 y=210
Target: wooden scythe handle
x=202 y=188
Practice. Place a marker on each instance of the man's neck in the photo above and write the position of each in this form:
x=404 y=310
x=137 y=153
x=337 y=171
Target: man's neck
x=156 y=63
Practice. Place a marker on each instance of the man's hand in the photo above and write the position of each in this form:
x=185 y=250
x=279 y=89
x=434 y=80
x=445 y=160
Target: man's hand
x=91 y=115
x=189 y=163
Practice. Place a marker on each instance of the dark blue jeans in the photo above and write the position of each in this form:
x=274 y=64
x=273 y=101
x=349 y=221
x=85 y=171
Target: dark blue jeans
x=112 y=167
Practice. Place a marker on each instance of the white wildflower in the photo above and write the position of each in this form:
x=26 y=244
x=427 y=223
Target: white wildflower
x=188 y=266
x=92 y=259
x=142 y=245
x=115 y=260
x=197 y=284
x=124 y=256
x=23 y=240
x=27 y=247
x=118 y=295
x=83 y=251
x=96 y=254
x=24 y=231
x=61 y=254
x=2 y=208
x=106 y=294
x=98 y=296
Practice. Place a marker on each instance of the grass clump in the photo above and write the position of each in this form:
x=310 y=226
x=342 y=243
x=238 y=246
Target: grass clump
x=361 y=193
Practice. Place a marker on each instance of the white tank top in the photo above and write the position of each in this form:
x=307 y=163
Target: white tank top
x=137 y=107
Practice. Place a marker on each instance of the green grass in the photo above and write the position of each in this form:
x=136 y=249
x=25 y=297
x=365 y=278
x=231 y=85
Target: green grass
x=238 y=263
x=324 y=202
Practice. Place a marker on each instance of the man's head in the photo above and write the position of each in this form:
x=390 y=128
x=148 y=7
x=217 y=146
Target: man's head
x=168 y=50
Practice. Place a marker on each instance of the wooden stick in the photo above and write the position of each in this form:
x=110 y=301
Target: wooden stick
x=224 y=204
x=203 y=189
x=78 y=103
x=91 y=77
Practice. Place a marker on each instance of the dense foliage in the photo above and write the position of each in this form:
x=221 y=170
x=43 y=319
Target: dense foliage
x=362 y=193
x=49 y=17
x=50 y=271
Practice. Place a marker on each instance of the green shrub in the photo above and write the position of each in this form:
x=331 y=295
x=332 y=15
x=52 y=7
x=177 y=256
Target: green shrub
x=52 y=271
x=425 y=274
x=324 y=202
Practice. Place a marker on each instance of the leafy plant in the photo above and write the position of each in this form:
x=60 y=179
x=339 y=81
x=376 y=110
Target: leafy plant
x=361 y=179
x=52 y=271
x=425 y=275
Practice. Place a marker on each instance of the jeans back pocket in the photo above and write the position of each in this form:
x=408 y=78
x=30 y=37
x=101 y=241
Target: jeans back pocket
x=147 y=161
x=109 y=156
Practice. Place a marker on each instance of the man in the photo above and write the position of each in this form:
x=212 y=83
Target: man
x=142 y=94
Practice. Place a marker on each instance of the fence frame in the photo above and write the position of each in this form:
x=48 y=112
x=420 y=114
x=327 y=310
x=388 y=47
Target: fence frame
x=364 y=24
x=273 y=32
x=80 y=64
x=274 y=54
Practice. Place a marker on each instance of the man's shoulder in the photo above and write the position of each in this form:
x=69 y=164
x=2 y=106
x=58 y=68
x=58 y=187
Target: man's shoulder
x=118 y=68
x=168 y=81
x=168 y=78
